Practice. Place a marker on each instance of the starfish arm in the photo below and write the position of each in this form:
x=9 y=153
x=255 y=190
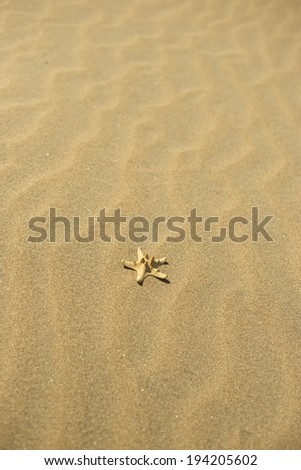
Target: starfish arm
x=129 y=264
x=160 y=261
x=158 y=274
x=141 y=273
x=140 y=254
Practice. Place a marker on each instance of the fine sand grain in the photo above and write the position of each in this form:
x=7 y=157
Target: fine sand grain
x=155 y=107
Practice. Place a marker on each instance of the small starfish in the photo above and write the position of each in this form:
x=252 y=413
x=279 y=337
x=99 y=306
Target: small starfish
x=146 y=266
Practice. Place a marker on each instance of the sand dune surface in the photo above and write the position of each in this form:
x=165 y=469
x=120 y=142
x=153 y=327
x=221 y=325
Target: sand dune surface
x=154 y=107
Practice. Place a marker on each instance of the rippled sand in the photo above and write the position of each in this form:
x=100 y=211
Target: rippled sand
x=155 y=107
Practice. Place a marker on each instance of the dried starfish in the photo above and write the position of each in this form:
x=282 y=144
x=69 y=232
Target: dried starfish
x=146 y=266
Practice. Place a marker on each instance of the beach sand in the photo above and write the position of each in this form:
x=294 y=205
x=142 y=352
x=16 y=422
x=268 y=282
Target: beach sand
x=155 y=107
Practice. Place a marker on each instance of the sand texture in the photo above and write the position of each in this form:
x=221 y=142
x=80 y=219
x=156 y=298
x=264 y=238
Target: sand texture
x=155 y=107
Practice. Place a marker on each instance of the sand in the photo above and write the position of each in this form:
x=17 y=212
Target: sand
x=155 y=107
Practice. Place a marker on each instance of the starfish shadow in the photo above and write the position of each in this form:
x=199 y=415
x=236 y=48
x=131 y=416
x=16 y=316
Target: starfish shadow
x=165 y=281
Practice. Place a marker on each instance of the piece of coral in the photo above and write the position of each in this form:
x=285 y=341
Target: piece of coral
x=146 y=266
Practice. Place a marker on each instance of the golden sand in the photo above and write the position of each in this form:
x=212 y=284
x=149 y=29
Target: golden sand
x=155 y=107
